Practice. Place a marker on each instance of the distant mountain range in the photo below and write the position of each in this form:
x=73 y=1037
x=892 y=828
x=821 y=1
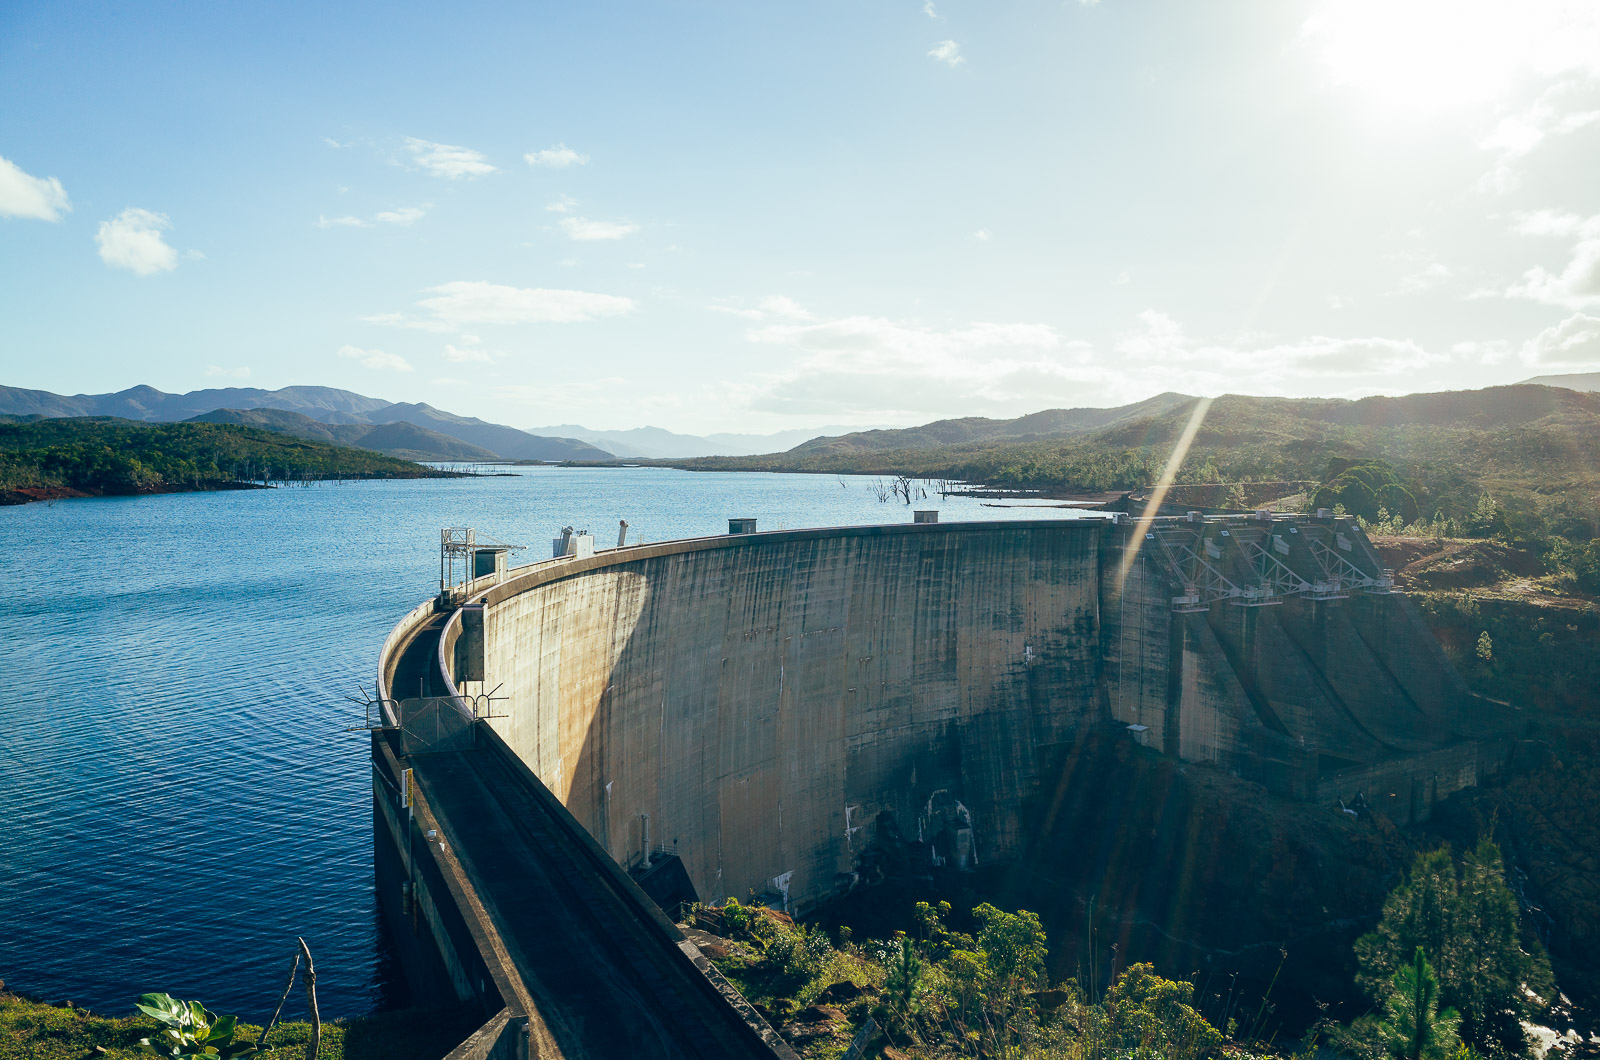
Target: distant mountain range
x=1051 y=423
x=653 y=443
x=318 y=413
x=405 y=440
x=1588 y=381
x=153 y=406
x=421 y=432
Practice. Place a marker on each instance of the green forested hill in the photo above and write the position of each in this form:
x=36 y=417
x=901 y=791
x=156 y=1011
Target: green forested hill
x=405 y=440
x=97 y=455
x=1051 y=423
x=1533 y=448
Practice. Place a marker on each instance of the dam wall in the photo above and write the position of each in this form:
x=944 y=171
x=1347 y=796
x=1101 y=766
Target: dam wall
x=765 y=706
x=1274 y=649
x=759 y=705
x=569 y=747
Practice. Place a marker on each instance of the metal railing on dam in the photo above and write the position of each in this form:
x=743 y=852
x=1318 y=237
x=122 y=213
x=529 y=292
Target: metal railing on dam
x=756 y=711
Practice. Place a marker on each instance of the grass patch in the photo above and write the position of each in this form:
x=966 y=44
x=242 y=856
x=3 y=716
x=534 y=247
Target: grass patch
x=33 y=1030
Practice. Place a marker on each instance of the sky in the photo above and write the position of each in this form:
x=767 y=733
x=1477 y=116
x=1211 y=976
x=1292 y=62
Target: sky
x=754 y=216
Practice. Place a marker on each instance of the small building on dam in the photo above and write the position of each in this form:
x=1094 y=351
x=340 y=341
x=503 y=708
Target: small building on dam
x=569 y=745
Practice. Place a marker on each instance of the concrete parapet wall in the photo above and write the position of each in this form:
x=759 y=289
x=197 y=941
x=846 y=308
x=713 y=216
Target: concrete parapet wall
x=763 y=699
x=437 y=912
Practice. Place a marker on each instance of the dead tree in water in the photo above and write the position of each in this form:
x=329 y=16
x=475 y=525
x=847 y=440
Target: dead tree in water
x=311 y=1000
x=261 y=1042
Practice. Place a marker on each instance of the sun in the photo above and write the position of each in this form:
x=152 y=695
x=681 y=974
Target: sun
x=1431 y=54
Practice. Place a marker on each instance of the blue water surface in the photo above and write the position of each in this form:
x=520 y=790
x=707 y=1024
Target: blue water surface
x=179 y=796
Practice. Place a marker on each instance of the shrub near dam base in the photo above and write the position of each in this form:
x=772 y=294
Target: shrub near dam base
x=938 y=992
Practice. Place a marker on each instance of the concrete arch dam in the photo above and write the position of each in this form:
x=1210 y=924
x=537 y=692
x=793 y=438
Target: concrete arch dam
x=747 y=715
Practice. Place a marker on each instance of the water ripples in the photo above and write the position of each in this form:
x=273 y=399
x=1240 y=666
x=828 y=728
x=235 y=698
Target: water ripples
x=178 y=796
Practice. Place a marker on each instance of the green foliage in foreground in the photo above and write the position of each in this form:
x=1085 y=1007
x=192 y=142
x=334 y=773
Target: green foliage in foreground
x=1462 y=922
x=188 y=1028
x=33 y=1030
x=1411 y=1025
x=944 y=993
x=112 y=456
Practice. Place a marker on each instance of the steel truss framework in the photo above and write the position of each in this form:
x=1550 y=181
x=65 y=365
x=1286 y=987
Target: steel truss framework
x=458 y=547
x=1195 y=562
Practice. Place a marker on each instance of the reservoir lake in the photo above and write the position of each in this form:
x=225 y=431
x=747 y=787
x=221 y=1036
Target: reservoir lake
x=179 y=794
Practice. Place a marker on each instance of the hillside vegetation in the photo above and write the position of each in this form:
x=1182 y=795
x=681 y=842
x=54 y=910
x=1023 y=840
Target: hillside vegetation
x=321 y=407
x=1535 y=450
x=408 y=441
x=1051 y=423
x=93 y=456
x=35 y=1030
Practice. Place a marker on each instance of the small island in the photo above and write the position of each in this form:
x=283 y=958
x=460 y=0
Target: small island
x=94 y=456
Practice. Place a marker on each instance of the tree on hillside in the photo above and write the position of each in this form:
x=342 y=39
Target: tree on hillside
x=1412 y=1025
x=1366 y=489
x=1465 y=922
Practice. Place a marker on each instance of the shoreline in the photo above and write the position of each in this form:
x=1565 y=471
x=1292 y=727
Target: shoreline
x=33 y=494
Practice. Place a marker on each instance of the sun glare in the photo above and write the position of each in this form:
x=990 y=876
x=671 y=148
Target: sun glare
x=1428 y=54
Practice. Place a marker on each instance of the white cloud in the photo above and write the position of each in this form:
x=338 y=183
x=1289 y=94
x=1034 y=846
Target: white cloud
x=1578 y=284
x=563 y=204
x=1123 y=278
x=775 y=305
x=132 y=240
x=475 y=302
x=1161 y=344
x=1554 y=223
x=783 y=306
x=400 y=320
x=215 y=371
x=871 y=365
x=377 y=360
x=582 y=228
x=1517 y=135
x=467 y=355
x=883 y=369
x=733 y=311
x=927 y=9
x=1430 y=276
x=982 y=235
x=446 y=160
x=1571 y=346
x=30 y=197
x=558 y=157
x=947 y=52
x=405 y=215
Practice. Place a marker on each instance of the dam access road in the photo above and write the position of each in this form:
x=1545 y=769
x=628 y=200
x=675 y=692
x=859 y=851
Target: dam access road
x=569 y=743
